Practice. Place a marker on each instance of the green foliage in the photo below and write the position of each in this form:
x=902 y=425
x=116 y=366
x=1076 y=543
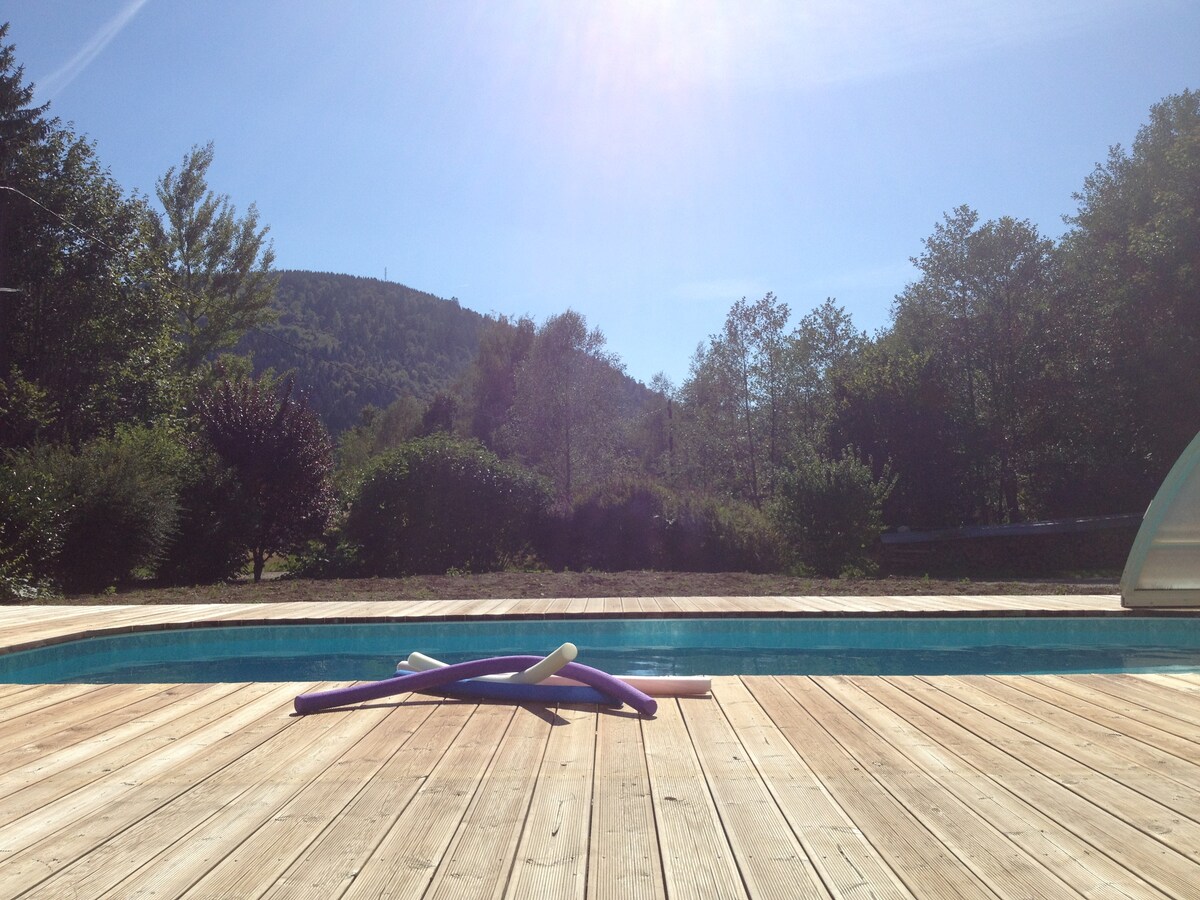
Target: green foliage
x=357 y=342
x=112 y=504
x=437 y=504
x=84 y=323
x=26 y=410
x=31 y=525
x=982 y=310
x=1133 y=259
x=215 y=524
x=377 y=432
x=490 y=385
x=619 y=527
x=282 y=459
x=756 y=392
x=708 y=534
x=221 y=265
x=829 y=511
x=891 y=403
x=636 y=524
x=564 y=421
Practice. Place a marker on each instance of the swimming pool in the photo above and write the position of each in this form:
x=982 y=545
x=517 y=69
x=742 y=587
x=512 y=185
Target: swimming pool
x=842 y=645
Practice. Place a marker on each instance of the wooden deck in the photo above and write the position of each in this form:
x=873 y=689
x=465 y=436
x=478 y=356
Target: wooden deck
x=863 y=787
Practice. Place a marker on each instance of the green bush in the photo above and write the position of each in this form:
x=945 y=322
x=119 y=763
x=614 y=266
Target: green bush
x=706 y=534
x=619 y=527
x=30 y=527
x=638 y=524
x=438 y=503
x=830 y=513
x=214 y=528
x=118 y=504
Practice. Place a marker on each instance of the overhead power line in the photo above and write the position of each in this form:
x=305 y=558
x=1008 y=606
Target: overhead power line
x=65 y=221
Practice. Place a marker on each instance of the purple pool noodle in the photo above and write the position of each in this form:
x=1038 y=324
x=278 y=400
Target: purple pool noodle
x=611 y=685
x=434 y=678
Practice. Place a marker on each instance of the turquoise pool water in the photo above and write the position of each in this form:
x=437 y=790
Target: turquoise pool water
x=727 y=646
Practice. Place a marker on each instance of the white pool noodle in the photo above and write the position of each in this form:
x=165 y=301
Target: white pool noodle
x=536 y=673
x=549 y=665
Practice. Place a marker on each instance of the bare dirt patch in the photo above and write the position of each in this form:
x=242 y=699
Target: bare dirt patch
x=584 y=584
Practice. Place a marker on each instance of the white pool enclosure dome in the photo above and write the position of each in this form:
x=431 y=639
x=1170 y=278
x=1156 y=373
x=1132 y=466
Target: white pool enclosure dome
x=1164 y=563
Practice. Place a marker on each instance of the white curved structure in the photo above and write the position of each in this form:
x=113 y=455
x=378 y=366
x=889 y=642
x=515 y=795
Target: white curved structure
x=1163 y=568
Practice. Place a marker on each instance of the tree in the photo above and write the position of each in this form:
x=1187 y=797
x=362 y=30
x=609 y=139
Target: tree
x=84 y=324
x=281 y=456
x=1133 y=260
x=564 y=418
x=490 y=386
x=736 y=387
x=221 y=264
x=982 y=309
x=891 y=404
x=758 y=393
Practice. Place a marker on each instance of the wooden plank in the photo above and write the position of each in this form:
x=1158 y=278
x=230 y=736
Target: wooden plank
x=551 y=860
x=20 y=625
x=38 y=759
x=849 y=866
x=771 y=860
x=337 y=856
x=214 y=817
x=75 y=766
x=1013 y=766
x=1160 y=752
x=697 y=859
x=670 y=605
x=47 y=697
x=924 y=864
x=406 y=859
x=478 y=862
x=1175 y=682
x=971 y=838
x=10 y=692
x=1109 y=779
x=53 y=836
x=256 y=862
x=623 y=856
x=1090 y=872
x=1133 y=695
x=72 y=711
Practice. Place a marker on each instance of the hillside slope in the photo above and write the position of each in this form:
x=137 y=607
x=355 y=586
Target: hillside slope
x=355 y=341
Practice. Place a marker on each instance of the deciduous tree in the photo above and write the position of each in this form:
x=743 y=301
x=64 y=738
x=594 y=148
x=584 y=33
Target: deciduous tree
x=281 y=456
x=1133 y=256
x=981 y=308
x=564 y=420
x=84 y=326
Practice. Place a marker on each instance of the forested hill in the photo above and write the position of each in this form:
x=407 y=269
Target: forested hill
x=355 y=341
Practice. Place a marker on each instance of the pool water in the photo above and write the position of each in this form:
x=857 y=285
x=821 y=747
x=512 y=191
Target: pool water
x=709 y=646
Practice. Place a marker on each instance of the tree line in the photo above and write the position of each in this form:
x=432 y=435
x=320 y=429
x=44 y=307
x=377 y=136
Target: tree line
x=1019 y=377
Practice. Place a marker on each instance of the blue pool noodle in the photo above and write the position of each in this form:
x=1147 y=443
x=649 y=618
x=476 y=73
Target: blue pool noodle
x=526 y=693
x=519 y=692
x=606 y=684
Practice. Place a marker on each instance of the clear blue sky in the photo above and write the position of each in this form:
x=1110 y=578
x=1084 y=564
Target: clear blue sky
x=645 y=162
